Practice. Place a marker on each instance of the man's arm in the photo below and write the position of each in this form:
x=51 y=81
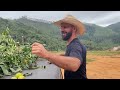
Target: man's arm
x=67 y=63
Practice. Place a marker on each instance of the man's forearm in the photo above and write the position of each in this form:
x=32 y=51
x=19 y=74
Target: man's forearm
x=67 y=63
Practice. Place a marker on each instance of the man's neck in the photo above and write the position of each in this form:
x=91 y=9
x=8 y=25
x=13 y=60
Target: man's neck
x=68 y=42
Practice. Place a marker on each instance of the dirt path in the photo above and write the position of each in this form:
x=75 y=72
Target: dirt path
x=104 y=67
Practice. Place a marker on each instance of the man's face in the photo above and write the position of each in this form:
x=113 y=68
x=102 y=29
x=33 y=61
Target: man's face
x=66 y=31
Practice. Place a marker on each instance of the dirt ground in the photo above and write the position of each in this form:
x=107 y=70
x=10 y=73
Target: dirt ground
x=104 y=67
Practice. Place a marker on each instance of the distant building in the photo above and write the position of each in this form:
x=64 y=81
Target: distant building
x=116 y=48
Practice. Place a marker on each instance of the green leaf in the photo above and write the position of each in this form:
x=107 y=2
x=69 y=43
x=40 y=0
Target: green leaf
x=5 y=71
x=19 y=70
x=15 y=71
x=12 y=70
x=1 y=75
x=1 y=63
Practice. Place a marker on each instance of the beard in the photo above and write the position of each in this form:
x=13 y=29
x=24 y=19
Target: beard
x=66 y=36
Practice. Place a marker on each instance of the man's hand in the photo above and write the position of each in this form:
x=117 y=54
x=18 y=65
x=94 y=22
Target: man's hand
x=39 y=50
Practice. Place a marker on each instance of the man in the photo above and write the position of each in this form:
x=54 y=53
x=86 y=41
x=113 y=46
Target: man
x=74 y=60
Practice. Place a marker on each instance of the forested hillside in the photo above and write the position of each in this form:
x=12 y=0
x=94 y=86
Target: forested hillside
x=26 y=30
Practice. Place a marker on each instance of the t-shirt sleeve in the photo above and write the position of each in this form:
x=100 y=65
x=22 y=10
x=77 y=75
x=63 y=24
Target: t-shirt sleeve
x=76 y=52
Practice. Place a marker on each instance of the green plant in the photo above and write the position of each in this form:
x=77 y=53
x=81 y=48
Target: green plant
x=13 y=57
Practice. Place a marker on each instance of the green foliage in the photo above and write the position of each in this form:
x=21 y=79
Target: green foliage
x=13 y=56
x=100 y=38
x=104 y=53
x=25 y=31
x=89 y=60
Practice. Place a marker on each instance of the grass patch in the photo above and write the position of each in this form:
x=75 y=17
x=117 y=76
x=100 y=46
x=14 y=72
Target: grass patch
x=100 y=53
x=104 y=53
x=89 y=60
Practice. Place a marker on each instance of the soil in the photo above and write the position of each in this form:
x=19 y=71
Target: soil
x=104 y=67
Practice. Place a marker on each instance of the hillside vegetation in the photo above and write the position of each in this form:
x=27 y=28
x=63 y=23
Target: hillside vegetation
x=25 y=30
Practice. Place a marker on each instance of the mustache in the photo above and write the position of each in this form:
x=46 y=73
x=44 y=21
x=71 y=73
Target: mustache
x=68 y=35
x=63 y=32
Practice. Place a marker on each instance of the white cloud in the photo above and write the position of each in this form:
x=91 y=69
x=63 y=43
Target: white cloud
x=102 y=18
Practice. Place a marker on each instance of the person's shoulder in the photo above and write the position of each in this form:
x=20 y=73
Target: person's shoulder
x=76 y=46
x=80 y=45
x=75 y=43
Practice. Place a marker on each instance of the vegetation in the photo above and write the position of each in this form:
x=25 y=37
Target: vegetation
x=25 y=30
x=13 y=56
x=104 y=53
x=89 y=60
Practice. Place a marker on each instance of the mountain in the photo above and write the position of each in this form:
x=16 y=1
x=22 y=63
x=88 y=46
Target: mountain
x=115 y=27
x=24 y=30
x=34 y=19
x=98 y=38
x=30 y=30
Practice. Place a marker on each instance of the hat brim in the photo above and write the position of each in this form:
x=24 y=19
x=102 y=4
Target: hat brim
x=80 y=27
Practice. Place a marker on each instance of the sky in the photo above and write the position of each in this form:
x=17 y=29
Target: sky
x=101 y=18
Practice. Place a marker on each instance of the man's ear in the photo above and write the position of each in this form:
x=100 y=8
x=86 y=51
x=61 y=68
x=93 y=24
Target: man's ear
x=75 y=29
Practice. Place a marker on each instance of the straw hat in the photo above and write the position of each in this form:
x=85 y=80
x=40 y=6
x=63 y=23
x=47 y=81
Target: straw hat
x=73 y=21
